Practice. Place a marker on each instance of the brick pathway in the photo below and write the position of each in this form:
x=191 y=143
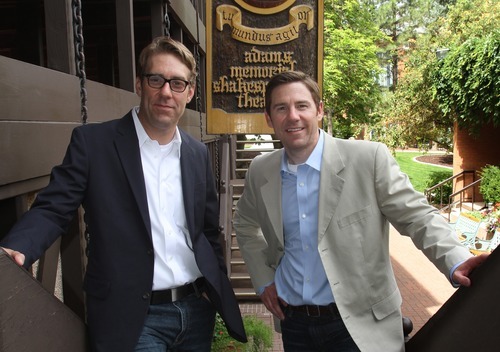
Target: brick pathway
x=423 y=287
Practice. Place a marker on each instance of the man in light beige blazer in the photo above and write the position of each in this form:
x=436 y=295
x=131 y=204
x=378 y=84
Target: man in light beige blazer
x=361 y=191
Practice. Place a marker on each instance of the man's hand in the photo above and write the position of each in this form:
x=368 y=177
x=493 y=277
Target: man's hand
x=462 y=273
x=17 y=256
x=272 y=302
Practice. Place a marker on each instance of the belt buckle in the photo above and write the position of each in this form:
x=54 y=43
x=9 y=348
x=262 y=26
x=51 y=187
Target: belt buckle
x=175 y=294
x=312 y=315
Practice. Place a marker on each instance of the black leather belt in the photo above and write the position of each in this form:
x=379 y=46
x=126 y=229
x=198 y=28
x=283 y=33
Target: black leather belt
x=330 y=310
x=175 y=294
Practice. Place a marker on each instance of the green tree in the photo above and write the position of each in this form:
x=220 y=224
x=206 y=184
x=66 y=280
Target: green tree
x=403 y=21
x=433 y=92
x=350 y=91
x=408 y=115
x=466 y=83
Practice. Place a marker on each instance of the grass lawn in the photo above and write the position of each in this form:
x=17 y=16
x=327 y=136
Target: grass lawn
x=417 y=172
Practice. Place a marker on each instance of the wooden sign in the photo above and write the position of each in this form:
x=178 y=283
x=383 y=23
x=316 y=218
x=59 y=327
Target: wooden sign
x=248 y=42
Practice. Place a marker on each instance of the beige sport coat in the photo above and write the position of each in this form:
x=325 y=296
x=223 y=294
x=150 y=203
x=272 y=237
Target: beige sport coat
x=362 y=191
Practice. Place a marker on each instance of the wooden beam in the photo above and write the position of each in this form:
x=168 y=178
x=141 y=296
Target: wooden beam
x=125 y=37
x=59 y=33
x=157 y=18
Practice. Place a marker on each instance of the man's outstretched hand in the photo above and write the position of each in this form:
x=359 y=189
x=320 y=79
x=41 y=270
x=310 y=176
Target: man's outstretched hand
x=17 y=256
x=462 y=273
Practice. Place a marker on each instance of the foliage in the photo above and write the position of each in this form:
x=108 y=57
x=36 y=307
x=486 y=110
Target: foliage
x=403 y=21
x=440 y=195
x=432 y=93
x=408 y=115
x=467 y=82
x=350 y=91
x=490 y=183
x=260 y=336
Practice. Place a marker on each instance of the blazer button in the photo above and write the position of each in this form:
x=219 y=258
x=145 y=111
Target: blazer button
x=146 y=296
x=150 y=251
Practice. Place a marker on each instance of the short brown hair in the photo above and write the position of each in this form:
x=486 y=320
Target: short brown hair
x=166 y=45
x=291 y=77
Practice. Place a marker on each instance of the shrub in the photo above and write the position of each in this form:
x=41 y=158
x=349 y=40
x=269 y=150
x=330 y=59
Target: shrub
x=440 y=195
x=260 y=336
x=490 y=184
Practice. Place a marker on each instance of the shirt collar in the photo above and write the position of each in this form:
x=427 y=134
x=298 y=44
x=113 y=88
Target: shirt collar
x=143 y=137
x=314 y=159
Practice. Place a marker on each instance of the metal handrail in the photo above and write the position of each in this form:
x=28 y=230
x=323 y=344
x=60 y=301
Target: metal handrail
x=442 y=206
x=460 y=193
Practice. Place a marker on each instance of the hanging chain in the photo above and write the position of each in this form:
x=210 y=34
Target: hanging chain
x=80 y=56
x=198 y=74
x=166 y=20
x=80 y=71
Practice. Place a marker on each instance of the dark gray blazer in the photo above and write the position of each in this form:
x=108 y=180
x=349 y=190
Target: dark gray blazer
x=102 y=171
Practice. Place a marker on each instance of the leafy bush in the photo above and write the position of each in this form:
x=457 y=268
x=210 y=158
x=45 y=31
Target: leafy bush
x=440 y=195
x=490 y=184
x=260 y=336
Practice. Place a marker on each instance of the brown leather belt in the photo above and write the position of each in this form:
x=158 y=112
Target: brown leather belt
x=177 y=293
x=330 y=310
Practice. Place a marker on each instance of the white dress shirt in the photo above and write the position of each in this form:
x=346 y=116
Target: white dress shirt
x=175 y=263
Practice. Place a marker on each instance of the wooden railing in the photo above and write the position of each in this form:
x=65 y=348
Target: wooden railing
x=32 y=319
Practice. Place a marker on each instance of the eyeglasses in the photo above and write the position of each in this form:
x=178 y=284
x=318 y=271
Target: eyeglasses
x=176 y=84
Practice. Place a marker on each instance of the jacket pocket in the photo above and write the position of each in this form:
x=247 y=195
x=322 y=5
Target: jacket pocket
x=355 y=217
x=387 y=306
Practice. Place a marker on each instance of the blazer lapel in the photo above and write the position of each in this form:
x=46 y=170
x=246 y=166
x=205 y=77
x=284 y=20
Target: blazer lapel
x=271 y=193
x=187 y=175
x=130 y=156
x=331 y=184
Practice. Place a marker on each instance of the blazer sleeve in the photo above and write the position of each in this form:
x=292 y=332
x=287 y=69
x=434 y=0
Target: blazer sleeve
x=55 y=206
x=409 y=212
x=254 y=246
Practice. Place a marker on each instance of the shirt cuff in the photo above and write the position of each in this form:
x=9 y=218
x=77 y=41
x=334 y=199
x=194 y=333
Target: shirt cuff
x=452 y=271
x=261 y=289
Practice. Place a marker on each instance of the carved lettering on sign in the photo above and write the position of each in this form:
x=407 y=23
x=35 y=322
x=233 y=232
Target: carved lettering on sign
x=248 y=83
x=231 y=15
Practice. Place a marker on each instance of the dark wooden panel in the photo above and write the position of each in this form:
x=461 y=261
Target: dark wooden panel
x=59 y=33
x=125 y=33
x=108 y=103
x=468 y=321
x=30 y=149
x=31 y=318
x=186 y=14
x=34 y=93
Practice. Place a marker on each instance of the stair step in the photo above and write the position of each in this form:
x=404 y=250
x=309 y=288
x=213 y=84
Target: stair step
x=246 y=294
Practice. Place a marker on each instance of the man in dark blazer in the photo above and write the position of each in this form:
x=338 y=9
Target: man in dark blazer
x=155 y=263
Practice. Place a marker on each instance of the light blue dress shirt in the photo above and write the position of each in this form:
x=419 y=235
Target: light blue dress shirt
x=300 y=277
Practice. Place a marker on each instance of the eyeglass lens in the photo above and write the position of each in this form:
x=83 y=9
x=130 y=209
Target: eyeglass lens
x=177 y=85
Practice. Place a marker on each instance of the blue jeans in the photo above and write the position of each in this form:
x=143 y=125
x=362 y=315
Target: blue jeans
x=186 y=325
x=301 y=333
